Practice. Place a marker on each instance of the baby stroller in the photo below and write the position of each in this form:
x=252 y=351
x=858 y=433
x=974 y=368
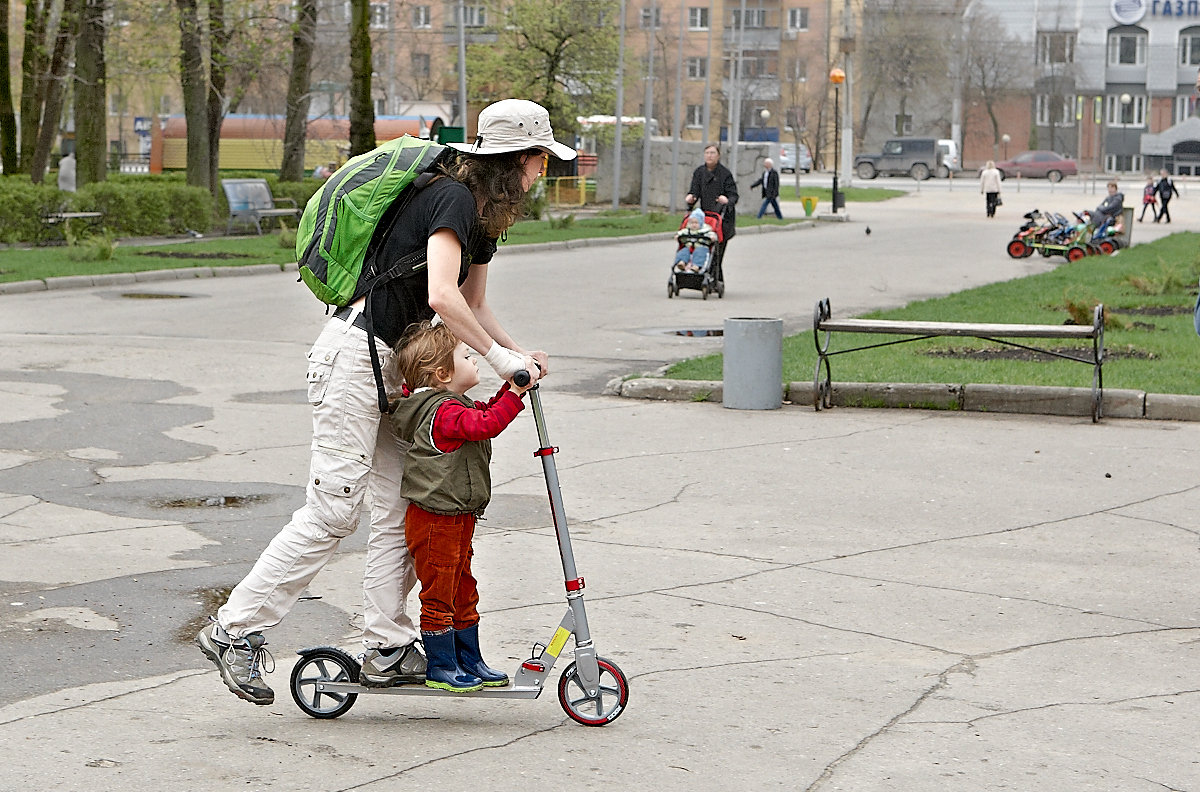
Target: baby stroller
x=709 y=278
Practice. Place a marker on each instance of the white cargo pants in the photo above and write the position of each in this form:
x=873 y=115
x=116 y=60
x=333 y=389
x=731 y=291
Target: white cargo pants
x=354 y=451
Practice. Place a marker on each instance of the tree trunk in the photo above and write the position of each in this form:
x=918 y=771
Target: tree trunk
x=195 y=86
x=55 y=90
x=33 y=82
x=218 y=35
x=295 y=130
x=8 y=119
x=91 y=94
x=362 y=112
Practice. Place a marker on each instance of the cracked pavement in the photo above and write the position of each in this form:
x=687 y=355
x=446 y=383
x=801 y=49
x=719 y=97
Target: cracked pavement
x=845 y=600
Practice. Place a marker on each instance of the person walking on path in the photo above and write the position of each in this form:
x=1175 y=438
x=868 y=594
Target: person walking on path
x=66 y=173
x=770 y=189
x=989 y=185
x=1166 y=189
x=456 y=220
x=715 y=188
x=1149 y=199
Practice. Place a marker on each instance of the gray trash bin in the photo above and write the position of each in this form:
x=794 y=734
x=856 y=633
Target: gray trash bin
x=753 y=369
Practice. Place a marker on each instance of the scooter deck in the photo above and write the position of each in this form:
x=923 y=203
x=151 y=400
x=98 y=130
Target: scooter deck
x=508 y=691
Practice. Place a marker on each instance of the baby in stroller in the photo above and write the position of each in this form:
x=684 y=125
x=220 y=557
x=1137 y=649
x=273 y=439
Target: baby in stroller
x=696 y=238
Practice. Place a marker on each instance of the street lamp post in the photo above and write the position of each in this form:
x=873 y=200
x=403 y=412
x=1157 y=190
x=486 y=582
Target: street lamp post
x=1005 y=139
x=837 y=77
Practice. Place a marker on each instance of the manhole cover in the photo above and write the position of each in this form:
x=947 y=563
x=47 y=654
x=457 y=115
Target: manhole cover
x=211 y=501
x=153 y=296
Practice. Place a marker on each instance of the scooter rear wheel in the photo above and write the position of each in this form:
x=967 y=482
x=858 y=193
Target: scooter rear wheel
x=326 y=664
x=601 y=709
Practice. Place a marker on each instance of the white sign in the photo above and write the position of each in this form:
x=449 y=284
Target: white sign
x=1128 y=12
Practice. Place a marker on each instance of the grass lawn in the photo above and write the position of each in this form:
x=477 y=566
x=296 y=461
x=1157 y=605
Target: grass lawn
x=1151 y=345
x=825 y=194
x=86 y=258
x=610 y=223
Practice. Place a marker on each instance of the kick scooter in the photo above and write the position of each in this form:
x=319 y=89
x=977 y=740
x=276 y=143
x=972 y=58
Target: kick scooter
x=592 y=690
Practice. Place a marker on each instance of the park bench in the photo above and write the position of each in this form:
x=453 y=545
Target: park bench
x=250 y=200
x=54 y=224
x=823 y=323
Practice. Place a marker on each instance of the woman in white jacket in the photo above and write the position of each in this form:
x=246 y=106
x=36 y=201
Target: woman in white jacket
x=989 y=185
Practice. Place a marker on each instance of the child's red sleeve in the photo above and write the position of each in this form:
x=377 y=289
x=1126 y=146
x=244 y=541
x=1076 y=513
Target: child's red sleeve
x=455 y=423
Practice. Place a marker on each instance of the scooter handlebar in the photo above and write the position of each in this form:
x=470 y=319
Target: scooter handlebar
x=521 y=378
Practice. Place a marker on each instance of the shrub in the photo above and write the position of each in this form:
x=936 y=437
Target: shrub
x=22 y=204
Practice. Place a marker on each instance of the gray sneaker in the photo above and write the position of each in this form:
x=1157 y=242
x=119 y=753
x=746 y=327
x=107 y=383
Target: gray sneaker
x=239 y=662
x=386 y=667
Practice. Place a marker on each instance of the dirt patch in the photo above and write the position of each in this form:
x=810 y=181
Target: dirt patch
x=1154 y=310
x=197 y=255
x=1012 y=353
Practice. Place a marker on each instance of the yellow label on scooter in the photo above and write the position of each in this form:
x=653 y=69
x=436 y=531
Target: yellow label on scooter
x=558 y=642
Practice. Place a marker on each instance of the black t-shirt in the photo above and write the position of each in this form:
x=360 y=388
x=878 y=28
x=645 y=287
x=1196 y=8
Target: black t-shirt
x=445 y=203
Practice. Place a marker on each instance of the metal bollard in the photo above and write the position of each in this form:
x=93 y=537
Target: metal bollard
x=753 y=367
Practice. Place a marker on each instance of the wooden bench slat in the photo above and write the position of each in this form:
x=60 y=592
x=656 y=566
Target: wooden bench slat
x=900 y=327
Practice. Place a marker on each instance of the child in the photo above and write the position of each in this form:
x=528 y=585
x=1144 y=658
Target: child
x=448 y=484
x=694 y=241
x=1150 y=199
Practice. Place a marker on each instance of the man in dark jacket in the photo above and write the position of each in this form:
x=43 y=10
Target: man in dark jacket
x=713 y=186
x=770 y=188
x=1166 y=190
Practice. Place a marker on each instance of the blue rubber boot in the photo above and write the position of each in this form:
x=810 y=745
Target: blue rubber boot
x=442 y=669
x=466 y=646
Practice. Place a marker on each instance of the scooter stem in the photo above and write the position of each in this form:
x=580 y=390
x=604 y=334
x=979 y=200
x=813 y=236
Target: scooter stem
x=574 y=583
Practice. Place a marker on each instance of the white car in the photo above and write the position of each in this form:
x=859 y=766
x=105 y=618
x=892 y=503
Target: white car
x=950 y=161
x=789 y=162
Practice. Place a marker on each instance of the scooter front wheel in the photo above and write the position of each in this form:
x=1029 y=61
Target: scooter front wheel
x=325 y=664
x=612 y=695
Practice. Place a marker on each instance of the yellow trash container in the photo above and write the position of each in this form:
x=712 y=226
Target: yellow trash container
x=810 y=204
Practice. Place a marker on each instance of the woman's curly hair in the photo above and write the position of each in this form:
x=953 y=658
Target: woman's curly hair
x=495 y=181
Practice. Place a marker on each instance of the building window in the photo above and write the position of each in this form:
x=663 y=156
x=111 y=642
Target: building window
x=420 y=64
x=1185 y=108
x=1056 y=48
x=379 y=15
x=380 y=107
x=1189 y=47
x=695 y=116
x=797 y=19
x=798 y=71
x=422 y=18
x=697 y=19
x=755 y=17
x=1131 y=114
x=651 y=13
x=697 y=68
x=1058 y=111
x=1127 y=49
x=902 y=125
x=474 y=16
x=755 y=65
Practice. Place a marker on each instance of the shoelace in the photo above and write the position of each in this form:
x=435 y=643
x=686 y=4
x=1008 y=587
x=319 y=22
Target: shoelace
x=258 y=657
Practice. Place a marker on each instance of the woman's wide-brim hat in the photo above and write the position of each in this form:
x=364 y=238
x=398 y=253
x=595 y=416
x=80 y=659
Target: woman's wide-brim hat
x=515 y=125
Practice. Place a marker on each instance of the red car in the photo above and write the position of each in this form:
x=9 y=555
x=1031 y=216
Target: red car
x=1038 y=164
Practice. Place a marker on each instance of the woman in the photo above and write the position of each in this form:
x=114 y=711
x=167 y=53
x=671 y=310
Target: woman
x=457 y=218
x=989 y=185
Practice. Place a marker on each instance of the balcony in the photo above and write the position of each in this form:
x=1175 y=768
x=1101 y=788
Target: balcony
x=764 y=89
x=755 y=39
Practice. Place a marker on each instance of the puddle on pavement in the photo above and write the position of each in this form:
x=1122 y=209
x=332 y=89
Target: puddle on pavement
x=212 y=501
x=153 y=296
x=208 y=600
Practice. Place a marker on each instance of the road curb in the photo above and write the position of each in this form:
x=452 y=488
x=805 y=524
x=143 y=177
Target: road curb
x=971 y=397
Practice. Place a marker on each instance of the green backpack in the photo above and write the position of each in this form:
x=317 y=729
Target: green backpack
x=341 y=218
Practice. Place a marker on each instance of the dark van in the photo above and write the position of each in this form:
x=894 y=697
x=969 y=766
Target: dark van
x=906 y=156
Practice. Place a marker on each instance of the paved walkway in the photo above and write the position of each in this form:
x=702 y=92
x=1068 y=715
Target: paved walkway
x=846 y=600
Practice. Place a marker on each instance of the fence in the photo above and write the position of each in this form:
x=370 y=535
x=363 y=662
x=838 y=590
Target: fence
x=570 y=190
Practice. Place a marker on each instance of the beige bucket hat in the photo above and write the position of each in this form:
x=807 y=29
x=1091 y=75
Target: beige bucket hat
x=514 y=125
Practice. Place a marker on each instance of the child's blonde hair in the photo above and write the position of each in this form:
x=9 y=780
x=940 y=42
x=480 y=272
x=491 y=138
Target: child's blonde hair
x=422 y=350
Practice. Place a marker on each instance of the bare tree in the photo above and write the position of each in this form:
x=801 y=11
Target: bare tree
x=91 y=95
x=48 y=109
x=34 y=61
x=362 y=111
x=195 y=88
x=992 y=71
x=298 y=96
x=8 y=119
x=903 y=53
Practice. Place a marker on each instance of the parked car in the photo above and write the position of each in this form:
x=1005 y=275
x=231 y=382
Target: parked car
x=916 y=157
x=790 y=161
x=1038 y=165
x=950 y=160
